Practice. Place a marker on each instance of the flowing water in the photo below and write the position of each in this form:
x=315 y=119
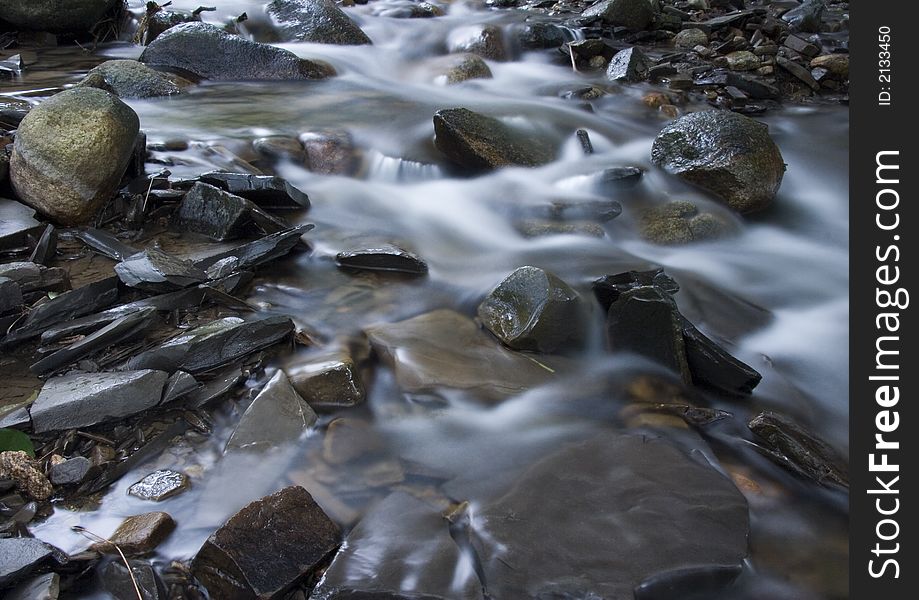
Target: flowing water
x=787 y=267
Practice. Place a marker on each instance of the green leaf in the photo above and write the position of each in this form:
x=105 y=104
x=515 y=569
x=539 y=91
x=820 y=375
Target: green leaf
x=11 y=439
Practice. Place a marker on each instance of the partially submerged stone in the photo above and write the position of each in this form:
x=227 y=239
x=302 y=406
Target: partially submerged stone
x=211 y=53
x=629 y=65
x=609 y=288
x=160 y=485
x=681 y=222
x=41 y=587
x=262 y=250
x=712 y=365
x=533 y=309
x=316 y=21
x=276 y=416
x=134 y=79
x=478 y=142
x=213 y=345
x=348 y=440
x=728 y=154
x=85 y=399
x=328 y=382
x=155 y=270
x=121 y=585
x=138 y=534
x=268 y=547
x=401 y=548
x=486 y=41
x=457 y=68
x=71 y=151
x=799 y=450
x=382 y=256
x=267 y=191
x=26 y=473
x=330 y=152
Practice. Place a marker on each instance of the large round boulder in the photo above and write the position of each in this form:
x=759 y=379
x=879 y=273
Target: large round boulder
x=71 y=151
x=728 y=154
x=317 y=21
x=56 y=16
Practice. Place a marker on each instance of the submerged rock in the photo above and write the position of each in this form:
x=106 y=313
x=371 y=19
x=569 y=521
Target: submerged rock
x=478 y=142
x=317 y=21
x=73 y=16
x=712 y=365
x=632 y=14
x=85 y=399
x=70 y=153
x=277 y=415
x=138 y=534
x=402 y=548
x=798 y=450
x=262 y=250
x=629 y=65
x=382 y=257
x=539 y=35
x=330 y=152
x=639 y=503
x=446 y=349
x=267 y=547
x=609 y=288
x=485 y=40
x=457 y=68
x=212 y=53
x=121 y=585
x=728 y=154
x=133 y=79
x=41 y=587
x=329 y=382
x=682 y=222
x=160 y=485
x=533 y=309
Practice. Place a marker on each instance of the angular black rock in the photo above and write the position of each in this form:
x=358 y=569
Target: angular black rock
x=178 y=385
x=70 y=472
x=645 y=320
x=316 y=21
x=125 y=328
x=221 y=384
x=17 y=223
x=19 y=557
x=614 y=179
x=711 y=364
x=118 y=582
x=155 y=270
x=267 y=547
x=798 y=450
x=215 y=213
x=41 y=587
x=674 y=585
x=45 y=247
x=607 y=289
x=85 y=399
x=329 y=382
x=401 y=549
x=262 y=250
x=267 y=191
x=382 y=257
x=104 y=243
x=213 y=345
x=276 y=416
x=629 y=65
x=752 y=86
x=10 y=295
x=807 y=16
x=33 y=277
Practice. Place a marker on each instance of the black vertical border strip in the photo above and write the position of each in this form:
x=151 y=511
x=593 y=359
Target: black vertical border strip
x=873 y=129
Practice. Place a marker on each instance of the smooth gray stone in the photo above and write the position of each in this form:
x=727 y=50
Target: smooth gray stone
x=277 y=415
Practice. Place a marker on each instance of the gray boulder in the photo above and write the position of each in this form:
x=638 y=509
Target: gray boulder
x=632 y=14
x=317 y=21
x=728 y=154
x=479 y=142
x=211 y=53
x=132 y=79
x=71 y=151
x=55 y=16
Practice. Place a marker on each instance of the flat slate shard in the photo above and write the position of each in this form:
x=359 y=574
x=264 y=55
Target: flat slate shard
x=104 y=243
x=267 y=548
x=118 y=582
x=262 y=250
x=86 y=399
x=67 y=307
x=277 y=415
x=32 y=277
x=213 y=345
x=615 y=510
x=215 y=213
x=629 y=65
x=798 y=450
x=608 y=288
x=46 y=246
x=401 y=549
x=268 y=191
x=10 y=295
x=42 y=587
x=710 y=364
x=19 y=557
x=382 y=257
x=155 y=270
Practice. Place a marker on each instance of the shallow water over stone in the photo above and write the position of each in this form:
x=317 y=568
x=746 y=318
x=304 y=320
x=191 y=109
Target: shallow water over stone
x=774 y=293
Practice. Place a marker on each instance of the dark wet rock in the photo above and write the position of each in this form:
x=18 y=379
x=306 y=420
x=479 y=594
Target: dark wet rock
x=639 y=503
x=267 y=191
x=753 y=86
x=330 y=152
x=222 y=383
x=609 y=288
x=533 y=228
x=457 y=68
x=592 y=48
x=215 y=213
x=725 y=20
x=72 y=471
x=262 y=250
x=743 y=60
x=690 y=38
x=673 y=585
x=179 y=385
x=799 y=450
x=533 y=309
x=213 y=345
x=728 y=154
x=160 y=485
x=267 y=547
x=485 y=40
x=382 y=257
x=73 y=16
x=446 y=349
x=599 y=211
x=317 y=21
x=478 y=142
x=615 y=179
x=139 y=534
x=801 y=73
x=401 y=549
x=17 y=221
x=155 y=270
x=133 y=79
x=20 y=557
x=118 y=582
x=10 y=295
x=70 y=153
x=681 y=222
x=85 y=399
x=42 y=587
x=279 y=148
x=31 y=277
x=329 y=382
x=806 y=17
x=631 y=14
x=406 y=9
x=712 y=365
x=156 y=20
x=645 y=320
x=629 y=65
x=212 y=53
x=801 y=46
x=538 y=36
x=347 y=440
x=837 y=64
x=46 y=247
x=104 y=243
x=276 y=416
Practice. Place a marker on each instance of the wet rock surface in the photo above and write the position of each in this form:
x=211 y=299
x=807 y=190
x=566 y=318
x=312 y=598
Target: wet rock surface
x=382 y=257
x=799 y=450
x=160 y=485
x=138 y=534
x=461 y=67
x=328 y=382
x=277 y=415
x=156 y=270
x=629 y=65
x=232 y=562
x=682 y=222
x=70 y=153
x=632 y=14
x=486 y=41
x=728 y=154
x=478 y=142
x=19 y=557
x=78 y=16
x=133 y=79
x=317 y=21
x=42 y=587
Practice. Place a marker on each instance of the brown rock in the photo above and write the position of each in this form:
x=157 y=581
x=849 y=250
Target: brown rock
x=139 y=534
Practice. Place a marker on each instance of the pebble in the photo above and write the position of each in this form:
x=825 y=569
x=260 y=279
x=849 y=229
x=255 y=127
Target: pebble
x=160 y=485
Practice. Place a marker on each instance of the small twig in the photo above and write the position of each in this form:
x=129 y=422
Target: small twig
x=574 y=62
x=98 y=538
